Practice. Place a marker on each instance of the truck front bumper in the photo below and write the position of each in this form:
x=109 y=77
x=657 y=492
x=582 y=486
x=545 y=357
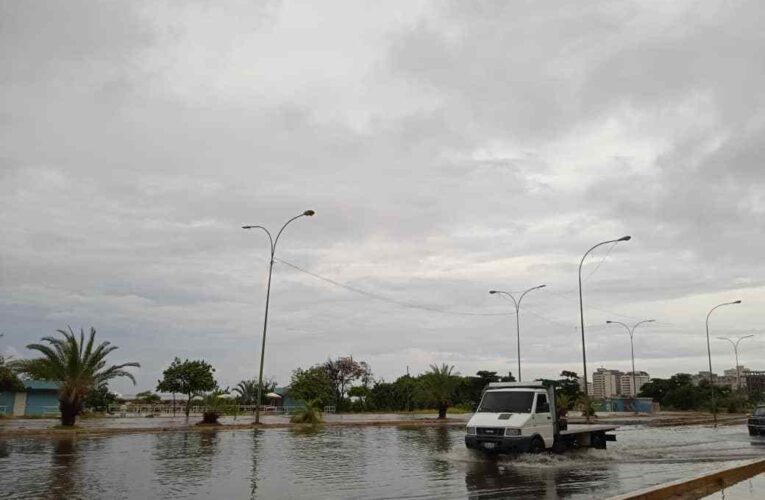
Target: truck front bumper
x=515 y=444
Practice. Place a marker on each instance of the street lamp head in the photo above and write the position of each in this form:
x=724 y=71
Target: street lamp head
x=492 y=291
x=609 y=321
x=541 y=286
x=247 y=227
x=309 y=213
x=625 y=238
x=736 y=302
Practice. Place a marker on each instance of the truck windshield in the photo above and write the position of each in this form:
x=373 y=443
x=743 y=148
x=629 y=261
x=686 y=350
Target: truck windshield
x=505 y=401
x=760 y=412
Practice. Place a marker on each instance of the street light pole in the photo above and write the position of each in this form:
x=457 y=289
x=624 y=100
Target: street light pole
x=735 y=352
x=273 y=242
x=631 y=332
x=581 y=317
x=517 y=304
x=709 y=354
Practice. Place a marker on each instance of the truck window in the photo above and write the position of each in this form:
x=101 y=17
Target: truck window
x=542 y=405
x=759 y=412
x=506 y=401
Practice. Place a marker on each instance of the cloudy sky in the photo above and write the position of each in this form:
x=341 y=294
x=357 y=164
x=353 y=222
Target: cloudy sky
x=448 y=148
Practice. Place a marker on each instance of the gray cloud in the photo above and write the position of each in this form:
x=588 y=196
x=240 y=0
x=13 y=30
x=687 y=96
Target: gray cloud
x=448 y=148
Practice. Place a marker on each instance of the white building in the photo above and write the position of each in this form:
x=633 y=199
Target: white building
x=606 y=383
x=626 y=383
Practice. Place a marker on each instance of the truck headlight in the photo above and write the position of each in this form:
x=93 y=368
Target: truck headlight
x=509 y=431
x=471 y=431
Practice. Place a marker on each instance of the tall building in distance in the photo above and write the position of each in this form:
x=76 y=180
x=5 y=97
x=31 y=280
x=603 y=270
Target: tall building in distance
x=627 y=387
x=606 y=383
x=612 y=383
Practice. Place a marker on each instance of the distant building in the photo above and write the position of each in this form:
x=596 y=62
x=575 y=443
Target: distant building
x=627 y=388
x=40 y=397
x=728 y=379
x=580 y=380
x=755 y=382
x=606 y=383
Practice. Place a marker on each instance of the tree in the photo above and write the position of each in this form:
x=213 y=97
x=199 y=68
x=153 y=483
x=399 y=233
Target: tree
x=9 y=381
x=78 y=366
x=247 y=391
x=313 y=385
x=148 y=397
x=342 y=372
x=100 y=398
x=190 y=378
x=438 y=386
x=215 y=404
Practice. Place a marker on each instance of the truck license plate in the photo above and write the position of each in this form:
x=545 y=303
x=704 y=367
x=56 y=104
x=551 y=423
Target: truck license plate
x=489 y=446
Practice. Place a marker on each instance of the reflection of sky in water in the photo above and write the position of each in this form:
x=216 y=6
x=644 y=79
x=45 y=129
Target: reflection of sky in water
x=356 y=462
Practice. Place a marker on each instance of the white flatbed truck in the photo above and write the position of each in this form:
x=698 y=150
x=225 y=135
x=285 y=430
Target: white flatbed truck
x=517 y=417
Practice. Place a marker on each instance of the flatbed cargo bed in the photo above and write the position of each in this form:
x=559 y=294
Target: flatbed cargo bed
x=584 y=428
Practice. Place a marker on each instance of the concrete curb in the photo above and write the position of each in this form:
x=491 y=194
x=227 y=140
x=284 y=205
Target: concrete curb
x=700 y=486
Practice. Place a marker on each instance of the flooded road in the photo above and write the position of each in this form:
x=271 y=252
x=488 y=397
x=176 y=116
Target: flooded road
x=354 y=462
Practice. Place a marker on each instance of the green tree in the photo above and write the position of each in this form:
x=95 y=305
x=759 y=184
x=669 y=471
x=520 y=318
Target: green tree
x=78 y=366
x=342 y=372
x=438 y=386
x=9 y=381
x=312 y=384
x=247 y=391
x=190 y=378
x=100 y=398
x=148 y=397
x=216 y=403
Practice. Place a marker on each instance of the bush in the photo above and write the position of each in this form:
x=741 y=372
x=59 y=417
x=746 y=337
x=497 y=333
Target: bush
x=310 y=414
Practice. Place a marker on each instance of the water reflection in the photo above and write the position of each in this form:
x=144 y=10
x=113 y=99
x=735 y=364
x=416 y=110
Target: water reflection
x=351 y=462
x=64 y=470
x=256 y=439
x=187 y=455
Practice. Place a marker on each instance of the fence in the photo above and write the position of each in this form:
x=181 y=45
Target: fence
x=139 y=410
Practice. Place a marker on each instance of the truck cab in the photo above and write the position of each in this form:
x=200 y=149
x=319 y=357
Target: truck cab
x=513 y=417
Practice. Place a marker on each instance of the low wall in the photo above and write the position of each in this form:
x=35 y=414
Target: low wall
x=700 y=486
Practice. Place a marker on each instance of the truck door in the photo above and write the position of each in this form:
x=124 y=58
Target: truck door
x=543 y=421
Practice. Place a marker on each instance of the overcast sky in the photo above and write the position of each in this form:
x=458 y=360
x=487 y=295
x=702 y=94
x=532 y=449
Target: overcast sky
x=448 y=148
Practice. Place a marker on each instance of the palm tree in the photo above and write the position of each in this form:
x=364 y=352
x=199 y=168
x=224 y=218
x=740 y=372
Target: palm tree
x=77 y=366
x=438 y=386
x=247 y=391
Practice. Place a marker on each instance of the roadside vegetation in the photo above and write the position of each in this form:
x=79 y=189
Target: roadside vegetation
x=78 y=365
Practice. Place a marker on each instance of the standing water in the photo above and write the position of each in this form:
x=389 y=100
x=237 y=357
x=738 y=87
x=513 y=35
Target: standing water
x=354 y=462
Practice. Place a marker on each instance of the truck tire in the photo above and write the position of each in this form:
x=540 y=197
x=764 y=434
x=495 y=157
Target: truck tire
x=598 y=440
x=537 y=446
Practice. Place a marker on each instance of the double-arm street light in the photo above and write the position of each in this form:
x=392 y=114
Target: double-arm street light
x=273 y=242
x=631 y=332
x=517 y=318
x=735 y=352
x=709 y=354
x=581 y=317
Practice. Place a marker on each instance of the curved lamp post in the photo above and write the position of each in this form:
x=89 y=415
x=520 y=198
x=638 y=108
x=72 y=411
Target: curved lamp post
x=631 y=332
x=517 y=304
x=735 y=352
x=273 y=242
x=709 y=354
x=581 y=317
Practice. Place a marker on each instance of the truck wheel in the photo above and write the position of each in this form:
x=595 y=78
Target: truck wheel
x=537 y=446
x=598 y=441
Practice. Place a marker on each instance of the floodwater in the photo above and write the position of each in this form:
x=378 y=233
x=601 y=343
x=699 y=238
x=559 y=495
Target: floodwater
x=354 y=462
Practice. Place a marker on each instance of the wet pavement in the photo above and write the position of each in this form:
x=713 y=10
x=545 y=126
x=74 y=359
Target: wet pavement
x=357 y=462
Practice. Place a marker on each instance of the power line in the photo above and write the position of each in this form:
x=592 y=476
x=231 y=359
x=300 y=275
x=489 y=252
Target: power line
x=383 y=298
